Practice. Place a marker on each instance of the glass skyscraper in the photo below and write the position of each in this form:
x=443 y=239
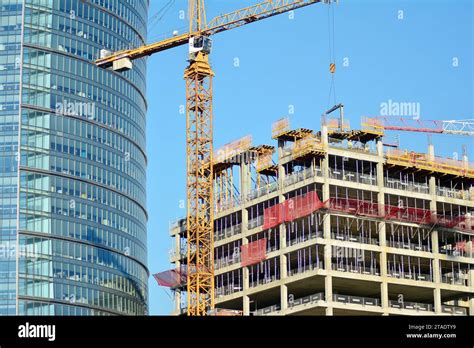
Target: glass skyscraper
x=72 y=159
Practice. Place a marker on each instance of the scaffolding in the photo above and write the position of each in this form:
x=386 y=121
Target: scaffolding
x=264 y=163
x=420 y=161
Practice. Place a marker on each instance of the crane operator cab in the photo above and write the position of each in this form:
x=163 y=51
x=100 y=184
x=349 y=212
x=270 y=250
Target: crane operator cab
x=199 y=44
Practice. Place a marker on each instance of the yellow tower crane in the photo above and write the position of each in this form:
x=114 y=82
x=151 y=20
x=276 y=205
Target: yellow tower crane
x=199 y=139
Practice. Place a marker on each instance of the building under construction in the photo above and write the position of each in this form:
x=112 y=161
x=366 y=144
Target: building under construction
x=336 y=222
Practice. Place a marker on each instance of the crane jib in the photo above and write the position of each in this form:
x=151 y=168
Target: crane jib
x=217 y=25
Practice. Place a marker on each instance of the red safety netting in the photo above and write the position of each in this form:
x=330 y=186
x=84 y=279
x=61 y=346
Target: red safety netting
x=463 y=222
x=464 y=245
x=354 y=206
x=291 y=209
x=302 y=206
x=254 y=252
x=171 y=278
x=416 y=215
x=449 y=221
x=460 y=245
x=273 y=216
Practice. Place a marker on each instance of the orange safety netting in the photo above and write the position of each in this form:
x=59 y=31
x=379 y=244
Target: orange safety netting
x=171 y=278
x=254 y=252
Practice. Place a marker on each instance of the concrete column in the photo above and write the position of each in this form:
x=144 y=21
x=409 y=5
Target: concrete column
x=281 y=168
x=246 y=305
x=432 y=191
x=282 y=236
x=382 y=227
x=327 y=221
x=325 y=174
x=437 y=299
x=328 y=288
x=324 y=136
x=432 y=184
x=431 y=152
x=245 y=274
x=177 y=294
x=383 y=270
x=325 y=162
x=384 y=296
x=380 y=178
x=379 y=148
x=433 y=197
x=283 y=267
x=471 y=279
x=283 y=257
x=383 y=264
x=327 y=257
x=244 y=180
x=327 y=227
x=328 y=295
x=245 y=282
x=281 y=144
x=436 y=272
x=383 y=236
x=471 y=306
x=434 y=241
x=283 y=297
x=245 y=220
x=177 y=245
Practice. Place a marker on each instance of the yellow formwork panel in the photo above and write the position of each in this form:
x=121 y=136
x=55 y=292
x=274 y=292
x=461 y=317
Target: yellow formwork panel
x=280 y=127
x=308 y=145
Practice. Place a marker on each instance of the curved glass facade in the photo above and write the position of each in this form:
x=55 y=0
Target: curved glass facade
x=81 y=167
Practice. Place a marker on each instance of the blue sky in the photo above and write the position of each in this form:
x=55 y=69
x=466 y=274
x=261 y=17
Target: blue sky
x=284 y=62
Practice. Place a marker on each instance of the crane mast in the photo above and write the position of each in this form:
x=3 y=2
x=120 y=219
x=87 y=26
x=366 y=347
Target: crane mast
x=199 y=139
